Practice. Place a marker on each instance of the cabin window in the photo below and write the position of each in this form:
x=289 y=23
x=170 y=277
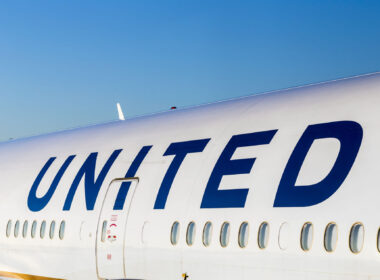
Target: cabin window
x=356 y=238
x=263 y=235
x=174 y=233
x=104 y=230
x=25 y=229
x=378 y=240
x=43 y=229
x=225 y=234
x=284 y=236
x=307 y=235
x=9 y=228
x=207 y=233
x=17 y=228
x=34 y=229
x=52 y=230
x=190 y=234
x=243 y=235
x=62 y=230
x=331 y=237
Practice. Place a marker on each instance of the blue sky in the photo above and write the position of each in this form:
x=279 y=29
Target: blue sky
x=66 y=63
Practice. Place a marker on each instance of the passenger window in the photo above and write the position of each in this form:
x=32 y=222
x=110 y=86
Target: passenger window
x=284 y=236
x=356 y=238
x=9 y=228
x=52 y=230
x=62 y=231
x=25 y=229
x=207 y=233
x=378 y=240
x=104 y=230
x=190 y=234
x=34 y=229
x=243 y=235
x=263 y=235
x=17 y=228
x=331 y=237
x=225 y=234
x=42 y=229
x=307 y=235
x=174 y=233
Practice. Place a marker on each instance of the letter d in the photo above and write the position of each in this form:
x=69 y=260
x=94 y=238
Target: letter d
x=349 y=134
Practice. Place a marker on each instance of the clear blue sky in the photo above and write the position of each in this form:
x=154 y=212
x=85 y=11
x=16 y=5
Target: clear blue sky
x=66 y=63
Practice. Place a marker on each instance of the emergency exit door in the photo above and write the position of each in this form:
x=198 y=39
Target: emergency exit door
x=111 y=229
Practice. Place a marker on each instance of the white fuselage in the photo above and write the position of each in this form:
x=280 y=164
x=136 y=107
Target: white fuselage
x=186 y=153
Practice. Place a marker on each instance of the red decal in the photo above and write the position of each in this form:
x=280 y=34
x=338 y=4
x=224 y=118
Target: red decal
x=109 y=257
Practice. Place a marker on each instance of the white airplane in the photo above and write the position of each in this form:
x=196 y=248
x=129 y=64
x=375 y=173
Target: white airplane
x=283 y=185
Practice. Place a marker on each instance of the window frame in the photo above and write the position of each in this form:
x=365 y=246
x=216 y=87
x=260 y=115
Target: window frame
x=378 y=240
x=52 y=229
x=188 y=241
x=337 y=237
x=175 y=239
x=33 y=229
x=25 y=227
x=8 y=229
x=61 y=231
x=43 y=229
x=228 y=224
x=16 y=229
x=302 y=234
x=350 y=238
x=207 y=244
x=247 y=235
x=267 y=235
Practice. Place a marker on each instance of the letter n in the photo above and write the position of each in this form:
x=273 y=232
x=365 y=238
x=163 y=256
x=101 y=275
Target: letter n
x=91 y=185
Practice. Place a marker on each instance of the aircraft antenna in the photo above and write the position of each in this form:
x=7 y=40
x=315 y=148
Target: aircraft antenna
x=120 y=112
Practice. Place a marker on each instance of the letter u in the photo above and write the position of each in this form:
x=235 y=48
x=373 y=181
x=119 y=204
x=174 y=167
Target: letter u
x=35 y=203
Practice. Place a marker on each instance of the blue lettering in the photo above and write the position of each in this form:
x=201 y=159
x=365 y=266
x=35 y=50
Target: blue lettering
x=35 y=203
x=215 y=198
x=180 y=150
x=124 y=188
x=91 y=185
x=350 y=136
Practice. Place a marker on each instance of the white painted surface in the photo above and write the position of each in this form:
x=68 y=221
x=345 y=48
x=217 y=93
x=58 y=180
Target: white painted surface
x=148 y=253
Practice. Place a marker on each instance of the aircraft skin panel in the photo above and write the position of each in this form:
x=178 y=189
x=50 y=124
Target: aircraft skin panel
x=184 y=160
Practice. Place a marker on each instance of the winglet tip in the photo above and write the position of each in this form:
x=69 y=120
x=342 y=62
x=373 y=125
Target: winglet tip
x=120 y=112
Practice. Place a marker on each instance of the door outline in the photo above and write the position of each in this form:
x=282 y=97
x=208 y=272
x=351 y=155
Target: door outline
x=126 y=179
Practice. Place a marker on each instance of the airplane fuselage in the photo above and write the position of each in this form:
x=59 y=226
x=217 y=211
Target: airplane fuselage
x=279 y=185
